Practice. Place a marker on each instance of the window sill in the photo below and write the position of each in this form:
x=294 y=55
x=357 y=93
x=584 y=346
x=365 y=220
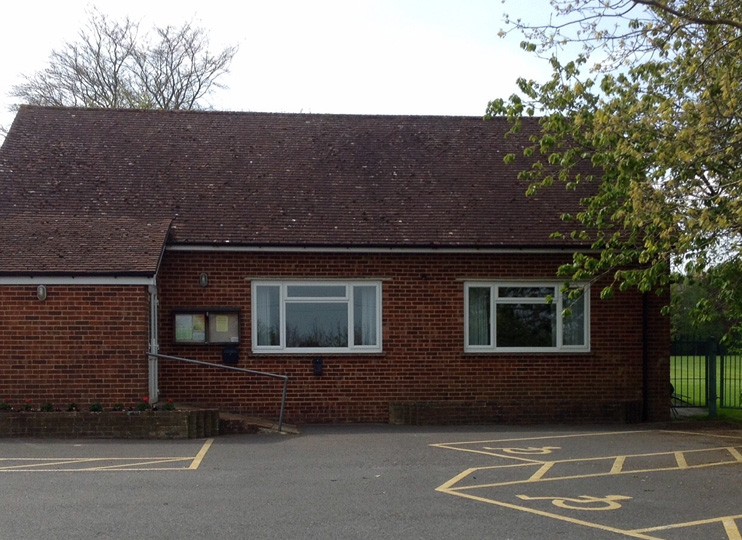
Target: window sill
x=345 y=354
x=529 y=353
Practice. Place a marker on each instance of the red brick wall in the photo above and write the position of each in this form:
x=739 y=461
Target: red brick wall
x=83 y=344
x=423 y=365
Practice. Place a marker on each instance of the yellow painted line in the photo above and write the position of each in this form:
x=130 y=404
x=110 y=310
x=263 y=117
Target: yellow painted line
x=618 y=465
x=510 y=457
x=125 y=464
x=723 y=520
x=580 y=476
x=539 y=474
x=735 y=454
x=731 y=529
x=54 y=459
x=456 y=479
x=608 y=458
x=486 y=453
x=616 y=469
x=49 y=463
x=142 y=464
x=546 y=437
x=201 y=454
x=454 y=445
x=632 y=534
x=555 y=479
x=701 y=433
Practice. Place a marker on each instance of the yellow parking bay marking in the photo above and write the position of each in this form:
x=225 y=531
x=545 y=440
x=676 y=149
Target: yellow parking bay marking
x=574 y=521
x=539 y=474
x=614 y=465
x=518 y=470
x=176 y=463
x=200 y=456
x=680 y=458
x=728 y=522
x=618 y=465
x=583 y=502
x=731 y=529
x=529 y=451
x=502 y=451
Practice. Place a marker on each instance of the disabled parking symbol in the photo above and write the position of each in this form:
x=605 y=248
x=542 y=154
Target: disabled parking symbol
x=583 y=502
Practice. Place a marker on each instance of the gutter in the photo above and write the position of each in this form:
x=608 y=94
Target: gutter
x=77 y=280
x=226 y=248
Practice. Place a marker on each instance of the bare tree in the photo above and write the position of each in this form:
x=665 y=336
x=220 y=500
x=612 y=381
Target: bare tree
x=112 y=66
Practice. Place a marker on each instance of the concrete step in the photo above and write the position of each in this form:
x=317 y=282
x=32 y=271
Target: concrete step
x=212 y=422
x=233 y=423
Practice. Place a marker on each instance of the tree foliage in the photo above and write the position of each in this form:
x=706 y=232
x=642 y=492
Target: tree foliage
x=703 y=307
x=651 y=98
x=111 y=65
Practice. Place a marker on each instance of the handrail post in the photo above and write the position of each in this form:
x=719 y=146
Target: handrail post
x=283 y=404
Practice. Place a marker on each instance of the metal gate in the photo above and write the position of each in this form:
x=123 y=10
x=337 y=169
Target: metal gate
x=705 y=374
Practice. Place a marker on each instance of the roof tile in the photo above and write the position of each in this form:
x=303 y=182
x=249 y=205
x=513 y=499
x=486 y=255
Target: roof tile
x=267 y=179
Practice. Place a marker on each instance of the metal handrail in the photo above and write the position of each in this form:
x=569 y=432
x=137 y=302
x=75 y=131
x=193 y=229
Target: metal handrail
x=285 y=378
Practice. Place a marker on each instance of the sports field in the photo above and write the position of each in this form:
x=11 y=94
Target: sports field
x=688 y=375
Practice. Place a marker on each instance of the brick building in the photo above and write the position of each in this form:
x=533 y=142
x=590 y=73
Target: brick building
x=390 y=266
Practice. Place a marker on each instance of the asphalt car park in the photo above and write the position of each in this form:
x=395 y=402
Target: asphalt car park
x=380 y=482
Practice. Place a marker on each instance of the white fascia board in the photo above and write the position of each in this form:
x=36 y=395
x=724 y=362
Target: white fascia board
x=77 y=280
x=282 y=249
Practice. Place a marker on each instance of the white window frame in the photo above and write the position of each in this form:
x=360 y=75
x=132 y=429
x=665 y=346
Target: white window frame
x=347 y=299
x=557 y=299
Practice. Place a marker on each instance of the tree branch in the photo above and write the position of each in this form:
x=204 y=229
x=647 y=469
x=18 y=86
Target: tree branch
x=722 y=21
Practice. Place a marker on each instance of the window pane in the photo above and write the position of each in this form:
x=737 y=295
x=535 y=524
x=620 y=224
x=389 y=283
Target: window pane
x=364 y=315
x=479 y=316
x=315 y=291
x=526 y=325
x=573 y=322
x=268 y=315
x=316 y=324
x=525 y=292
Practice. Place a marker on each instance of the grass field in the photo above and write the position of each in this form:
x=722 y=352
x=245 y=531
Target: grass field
x=688 y=376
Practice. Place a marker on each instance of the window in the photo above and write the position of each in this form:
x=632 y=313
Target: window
x=526 y=317
x=316 y=317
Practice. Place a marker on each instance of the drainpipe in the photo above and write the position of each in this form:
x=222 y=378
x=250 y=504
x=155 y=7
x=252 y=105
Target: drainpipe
x=154 y=347
x=645 y=357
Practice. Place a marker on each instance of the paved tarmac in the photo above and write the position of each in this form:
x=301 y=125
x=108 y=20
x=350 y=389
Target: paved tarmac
x=380 y=482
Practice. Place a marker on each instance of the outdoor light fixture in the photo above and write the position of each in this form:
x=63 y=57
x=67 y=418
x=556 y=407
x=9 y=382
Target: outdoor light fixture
x=41 y=292
x=203 y=279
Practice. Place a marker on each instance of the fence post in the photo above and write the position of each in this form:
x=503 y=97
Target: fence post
x=711 y=377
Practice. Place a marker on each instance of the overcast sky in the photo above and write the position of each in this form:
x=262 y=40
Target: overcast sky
x=439 y=57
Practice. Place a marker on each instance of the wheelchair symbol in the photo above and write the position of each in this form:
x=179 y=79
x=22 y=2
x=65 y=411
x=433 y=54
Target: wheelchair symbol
x=529 y=451
x=583 y=502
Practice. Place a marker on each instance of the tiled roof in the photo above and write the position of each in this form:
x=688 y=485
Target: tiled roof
x=59 y=244
x=264 y=179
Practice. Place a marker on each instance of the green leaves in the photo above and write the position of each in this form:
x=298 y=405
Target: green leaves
x=659 y=115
